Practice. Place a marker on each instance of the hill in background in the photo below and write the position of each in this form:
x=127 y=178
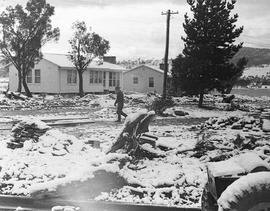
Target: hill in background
x=255 y=56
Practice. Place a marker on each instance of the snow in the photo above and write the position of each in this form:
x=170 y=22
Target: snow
x=63 y=61
x=266 y=125
x=257 y=71
x=225 y=168
x=44 y=161
x=245 y=185
x=194 y=112
x=35 y=123
x=241 y=164
x=63 y=155
x=103 y=101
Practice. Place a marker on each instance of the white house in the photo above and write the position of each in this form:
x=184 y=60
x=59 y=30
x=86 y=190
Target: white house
x=144 y=78
x=56 y=74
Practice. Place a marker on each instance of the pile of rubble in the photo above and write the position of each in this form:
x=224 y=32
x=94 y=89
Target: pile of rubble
x=248 y=123
x=27 y=129
x=224 y=137
x=265 y=116
x=41 y=102
x=233 y=122
x=142 y=100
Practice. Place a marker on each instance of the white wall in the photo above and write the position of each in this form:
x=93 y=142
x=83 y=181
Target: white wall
x=13 y=80
x=49 y=78
x=54 y=80
x=87 y=87
x=143 y=73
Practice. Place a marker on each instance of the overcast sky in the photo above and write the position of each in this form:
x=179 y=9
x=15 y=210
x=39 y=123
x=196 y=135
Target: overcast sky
x=136 y=28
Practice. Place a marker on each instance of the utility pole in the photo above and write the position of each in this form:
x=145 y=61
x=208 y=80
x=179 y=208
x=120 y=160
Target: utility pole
x=168 y=13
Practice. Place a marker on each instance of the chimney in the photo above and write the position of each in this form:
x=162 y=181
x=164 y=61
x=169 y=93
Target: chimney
x=110 y=59
x=162 y=66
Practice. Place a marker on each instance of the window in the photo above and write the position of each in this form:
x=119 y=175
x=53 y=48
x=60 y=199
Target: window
x=100 y=77
x=91 y=77
x=135 y=80
x=37 y=76
x=104 y=79
x=118 y=79
x=151 y=82
x=71 y=76
x=96 y=77
x=114 y=79
x=29 y=76
x=111 y=81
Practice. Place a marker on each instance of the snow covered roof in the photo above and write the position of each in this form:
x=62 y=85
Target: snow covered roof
x=147 y=66
x=62 y=60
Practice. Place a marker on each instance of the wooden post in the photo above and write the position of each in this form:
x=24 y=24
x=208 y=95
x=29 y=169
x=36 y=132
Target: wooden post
x=168 y=13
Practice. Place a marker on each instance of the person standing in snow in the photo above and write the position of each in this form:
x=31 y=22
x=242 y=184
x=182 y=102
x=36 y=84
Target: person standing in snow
x=120 y=103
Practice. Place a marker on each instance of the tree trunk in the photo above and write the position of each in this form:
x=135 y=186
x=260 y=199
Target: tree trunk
x=81 y=93
x=228 y=89
x=19 y=88
x=201 y=99
x=25 y=86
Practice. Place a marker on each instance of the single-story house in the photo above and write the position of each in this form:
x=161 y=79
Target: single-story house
x=55 y=73
x=144 y=78
x=266 y=86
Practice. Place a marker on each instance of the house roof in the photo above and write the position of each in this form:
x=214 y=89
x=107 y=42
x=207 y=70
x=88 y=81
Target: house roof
x=62 y=60
x=148 y=66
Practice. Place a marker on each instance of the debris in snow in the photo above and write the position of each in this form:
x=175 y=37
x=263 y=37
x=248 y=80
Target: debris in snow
x=15 y=95
x=103 y=101
x=152 y=184
x=180 y=113
x=247 y=184
x=38 y=167
x=266 y=125
x=159 y=105
x=27 y=128
x=133 y=140
x=228 y=98
x=235 y=122
x=65 y=208
x=175 y=177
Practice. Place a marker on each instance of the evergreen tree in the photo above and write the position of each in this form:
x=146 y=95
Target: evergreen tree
x=209 y=46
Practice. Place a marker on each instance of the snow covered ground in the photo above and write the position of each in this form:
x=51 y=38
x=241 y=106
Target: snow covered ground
x=64 y=156
x=257 y=71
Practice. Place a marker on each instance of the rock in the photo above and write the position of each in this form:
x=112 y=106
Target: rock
x=248 y=126
x=222 y=124
x=265 y=115
x=245 y=129
x=237 y=126
x=256 y=129
x=266 y=125
x=239 y=140
x=180 y=113
x=59 y=152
